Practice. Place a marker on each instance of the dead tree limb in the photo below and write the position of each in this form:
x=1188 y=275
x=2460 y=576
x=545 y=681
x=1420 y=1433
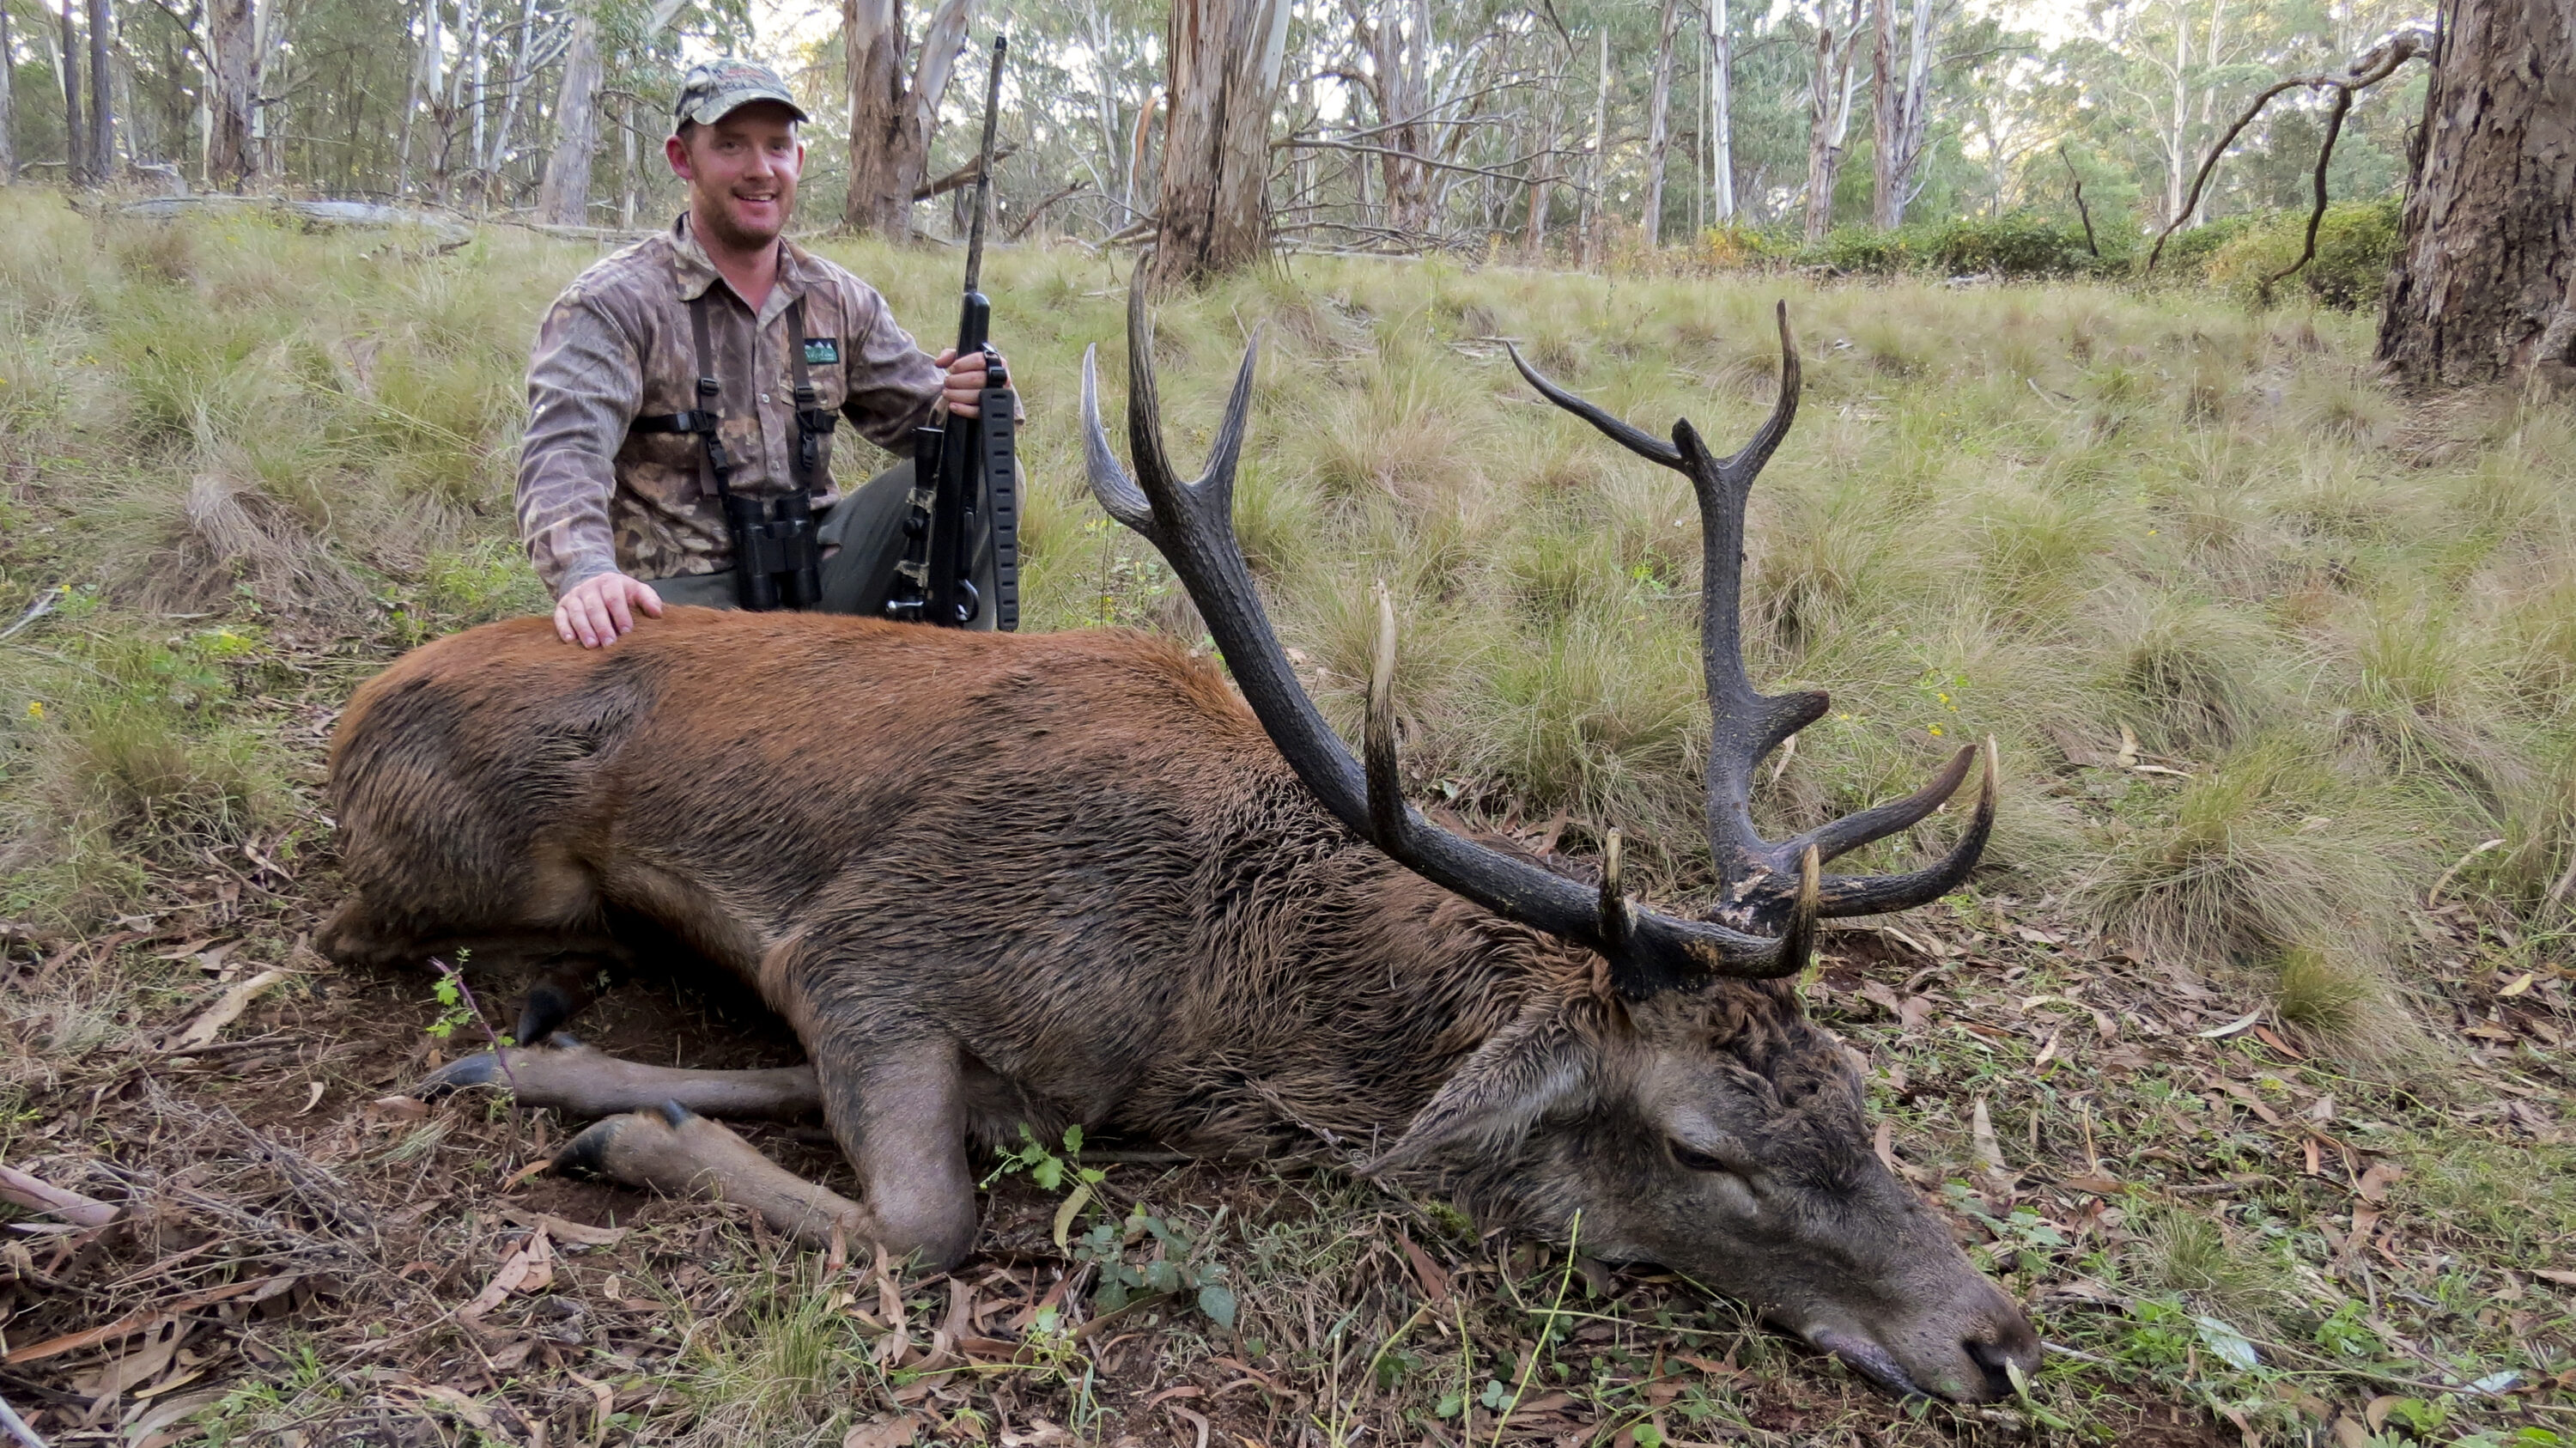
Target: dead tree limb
x=962 y=176
x=2081 y=210
x=1293 y=144
x=2377 y=65
x=2316 y=214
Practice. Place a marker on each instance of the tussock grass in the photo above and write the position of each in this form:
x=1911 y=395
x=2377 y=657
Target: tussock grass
x=2050 y=514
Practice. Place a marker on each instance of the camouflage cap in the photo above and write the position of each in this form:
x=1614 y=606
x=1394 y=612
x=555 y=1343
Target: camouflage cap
x=715 y=89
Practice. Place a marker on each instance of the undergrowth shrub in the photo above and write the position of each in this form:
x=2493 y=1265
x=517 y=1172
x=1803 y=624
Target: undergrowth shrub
x=2356 y=241
x=2017 y=246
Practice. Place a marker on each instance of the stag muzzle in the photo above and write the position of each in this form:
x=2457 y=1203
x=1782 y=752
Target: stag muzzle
x=1964 y=1349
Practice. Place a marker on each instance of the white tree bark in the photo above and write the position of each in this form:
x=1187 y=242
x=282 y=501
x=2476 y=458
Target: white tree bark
x=232 y=39
x=8 y=104
x=1721 y=109
x=564 y=199
x=1597 y=167
x=421 y=86
x=1829 y=106
x=1658 y=123
x=890 y=123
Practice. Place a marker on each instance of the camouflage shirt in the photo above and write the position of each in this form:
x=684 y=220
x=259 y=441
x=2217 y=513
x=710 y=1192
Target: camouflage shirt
x=596 y=497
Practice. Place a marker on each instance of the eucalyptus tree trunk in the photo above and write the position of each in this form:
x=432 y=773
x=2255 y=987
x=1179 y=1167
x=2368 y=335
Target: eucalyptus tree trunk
x=1659 y=134
x=8 y=104
x=1534 y=233
x=1829 y=109
x=423 y=81
x=232 y=36
x=1211 y=212
x=525 y=61
x=75 y=139
x=2178 y=156
x=1597 y=167
x=564 y=199
x=1398 y=44
x=1721 y=108
x=891 y=122
x=1900 y=110
x=2484 y=285
x=102 y=110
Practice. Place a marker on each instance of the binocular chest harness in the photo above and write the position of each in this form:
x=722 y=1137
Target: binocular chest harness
x=777 y=559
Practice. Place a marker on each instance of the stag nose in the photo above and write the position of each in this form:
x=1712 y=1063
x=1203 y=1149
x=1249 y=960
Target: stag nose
x=2006 y=1341
x=1993 y=1361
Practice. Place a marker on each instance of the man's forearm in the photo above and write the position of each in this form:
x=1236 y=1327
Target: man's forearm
x=584 y=382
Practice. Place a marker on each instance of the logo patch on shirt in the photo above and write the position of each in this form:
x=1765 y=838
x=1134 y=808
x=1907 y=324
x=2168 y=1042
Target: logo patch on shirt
x=822 y=352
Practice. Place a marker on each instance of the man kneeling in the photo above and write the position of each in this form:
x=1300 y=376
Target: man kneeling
x=706 y=369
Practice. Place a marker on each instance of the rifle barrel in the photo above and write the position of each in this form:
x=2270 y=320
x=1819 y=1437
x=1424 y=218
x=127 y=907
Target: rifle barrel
x=984 y=166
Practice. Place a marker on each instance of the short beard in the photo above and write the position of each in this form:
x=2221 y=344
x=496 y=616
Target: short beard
x=716 y=219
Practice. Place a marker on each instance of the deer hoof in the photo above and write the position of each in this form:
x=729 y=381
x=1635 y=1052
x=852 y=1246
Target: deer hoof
x=587 y=1155
x=483 y=1069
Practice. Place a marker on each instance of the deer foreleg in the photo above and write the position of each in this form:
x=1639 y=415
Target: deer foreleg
x=898 y=1108
x=679 y=1153
x=576 y=1079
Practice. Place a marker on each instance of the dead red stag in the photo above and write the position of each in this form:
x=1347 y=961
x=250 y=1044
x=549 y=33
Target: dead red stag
x=995 y=879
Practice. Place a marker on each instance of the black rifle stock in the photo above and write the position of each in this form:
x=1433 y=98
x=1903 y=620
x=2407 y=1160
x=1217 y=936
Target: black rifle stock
x=970 y=464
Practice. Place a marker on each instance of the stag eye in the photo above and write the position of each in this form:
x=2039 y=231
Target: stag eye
x=1692 y=1159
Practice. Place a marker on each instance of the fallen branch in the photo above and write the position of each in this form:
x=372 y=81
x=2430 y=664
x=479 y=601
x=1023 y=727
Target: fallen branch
x=147 y=1319
x=2380 y=63
x=329 y=213
x=1293 y=144
x=2325 y=153
x=19 y=1189
x=1029 y=218
x=963 y=176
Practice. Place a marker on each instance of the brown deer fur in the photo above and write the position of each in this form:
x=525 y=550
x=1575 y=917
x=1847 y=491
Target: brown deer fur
x=1066 y=878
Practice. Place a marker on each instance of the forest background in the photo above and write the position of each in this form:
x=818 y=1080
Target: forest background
x=1566 y=129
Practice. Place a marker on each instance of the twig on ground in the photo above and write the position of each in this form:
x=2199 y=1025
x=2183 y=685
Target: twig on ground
x=36 y=1196
x=43 y=605
x=17 y=1427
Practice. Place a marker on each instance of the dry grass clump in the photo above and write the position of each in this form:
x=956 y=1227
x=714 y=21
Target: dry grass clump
x=2243 y=863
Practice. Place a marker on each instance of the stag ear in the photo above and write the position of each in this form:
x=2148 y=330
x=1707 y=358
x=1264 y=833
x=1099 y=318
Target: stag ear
x=1540 y=1061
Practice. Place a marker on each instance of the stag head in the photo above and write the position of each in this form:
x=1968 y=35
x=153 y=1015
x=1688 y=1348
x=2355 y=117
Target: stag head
x=1683 y=1110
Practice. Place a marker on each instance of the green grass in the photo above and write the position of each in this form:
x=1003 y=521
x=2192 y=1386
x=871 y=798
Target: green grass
x=2266 y=648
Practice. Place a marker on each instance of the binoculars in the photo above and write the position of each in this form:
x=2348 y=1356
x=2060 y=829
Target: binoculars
x=777 y=560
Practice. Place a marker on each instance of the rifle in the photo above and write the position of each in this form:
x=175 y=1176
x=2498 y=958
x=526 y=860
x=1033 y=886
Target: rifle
x=976 y=493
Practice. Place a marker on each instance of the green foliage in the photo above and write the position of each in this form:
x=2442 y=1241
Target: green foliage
x=2356 y=242
x=1146 y=1255
x=2018 y=246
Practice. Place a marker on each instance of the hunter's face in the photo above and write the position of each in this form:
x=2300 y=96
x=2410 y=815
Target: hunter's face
x=742 y=174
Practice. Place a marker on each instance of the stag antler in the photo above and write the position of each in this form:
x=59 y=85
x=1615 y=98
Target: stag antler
x=1192 y=524
x=1747 y=725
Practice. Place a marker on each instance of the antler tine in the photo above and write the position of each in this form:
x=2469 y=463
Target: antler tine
x=1643 y=444
x=1879 y=894
x=1191 y=526
x=1144 y=407
x=1117 y=492
x=1842 y=836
